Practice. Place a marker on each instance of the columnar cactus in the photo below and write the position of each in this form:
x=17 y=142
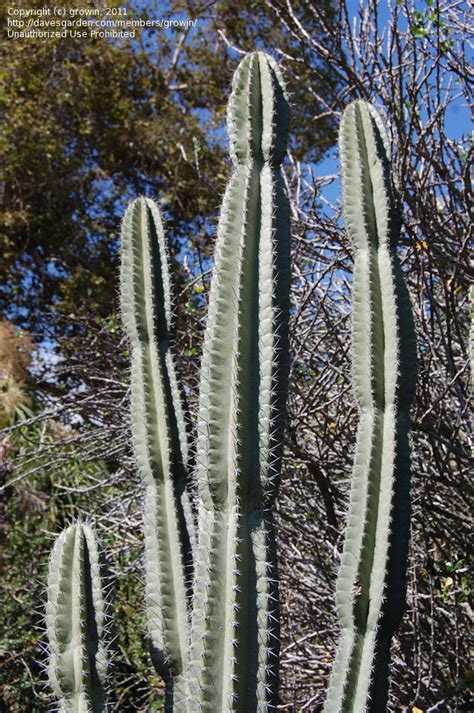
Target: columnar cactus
x=75 y=623
x=234 y=637
x=218 y=650
x=159 y=432
x=372 y=576
x=226 y=658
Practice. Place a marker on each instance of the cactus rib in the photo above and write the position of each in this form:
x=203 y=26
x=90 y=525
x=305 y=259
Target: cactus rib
x=371 y=581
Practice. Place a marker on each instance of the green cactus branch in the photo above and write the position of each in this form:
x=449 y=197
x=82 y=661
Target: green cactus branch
x=371 y=581
x=159 y=433
x=233 y=660
x=75 y=615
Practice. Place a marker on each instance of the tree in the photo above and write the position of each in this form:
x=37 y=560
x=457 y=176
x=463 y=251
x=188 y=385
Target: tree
x=90 y=124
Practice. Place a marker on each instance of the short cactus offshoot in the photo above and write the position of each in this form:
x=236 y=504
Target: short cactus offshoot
x=372 y=577
x=75 y=621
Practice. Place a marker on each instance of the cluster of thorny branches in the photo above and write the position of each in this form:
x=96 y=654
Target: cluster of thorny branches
x=410 y=61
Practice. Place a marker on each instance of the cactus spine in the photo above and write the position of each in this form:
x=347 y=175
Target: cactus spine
x=75 y=623
x=233 y=659
x=372 y=577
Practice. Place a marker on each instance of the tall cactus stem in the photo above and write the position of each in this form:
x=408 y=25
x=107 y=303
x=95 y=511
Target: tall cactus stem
x=234 y=646
x=159 y=434
x=372 y=577
x=75 y=615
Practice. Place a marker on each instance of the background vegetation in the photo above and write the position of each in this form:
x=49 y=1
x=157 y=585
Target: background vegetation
x=86 y=125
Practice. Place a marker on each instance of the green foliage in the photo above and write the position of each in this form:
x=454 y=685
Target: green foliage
x=87 y=120
x=452 y=579
x=88 y=124
x=372 y=577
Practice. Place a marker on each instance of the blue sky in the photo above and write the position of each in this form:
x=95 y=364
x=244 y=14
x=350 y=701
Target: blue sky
x=457 y=118
x=458 y=121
